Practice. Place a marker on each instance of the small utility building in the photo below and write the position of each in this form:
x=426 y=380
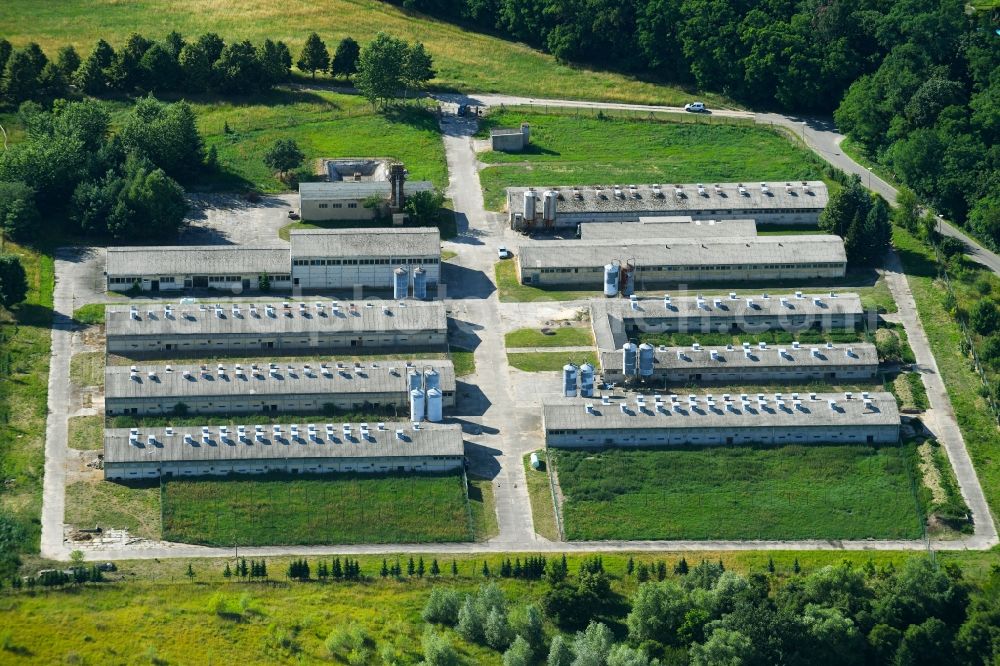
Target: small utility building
x=267 y=387
x=261 y=328
x=259 y=449
x=672 y=420
x=352 y=200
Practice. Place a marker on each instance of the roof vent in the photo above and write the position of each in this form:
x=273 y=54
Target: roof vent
x=701 y=190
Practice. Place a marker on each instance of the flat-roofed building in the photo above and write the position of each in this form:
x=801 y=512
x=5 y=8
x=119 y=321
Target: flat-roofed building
x=616 y=321
x=291 y=448
x=347 y=199
x=667 y=261
x=347 y=258
x=260 y=328
x=672 y=420
x=748 y=363
x=668 y=227
x=268 y=387
x=232 y=268
x=784 y=202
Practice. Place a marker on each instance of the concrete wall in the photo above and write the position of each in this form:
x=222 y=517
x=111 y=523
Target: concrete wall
x=342 y=209
x=310 y=274
x=596 y=438
x=253 y=404
x=181 y=282
x=592 y=277
x=763 y=374
x=510 y=143
x=152 y=470
x=152 y=346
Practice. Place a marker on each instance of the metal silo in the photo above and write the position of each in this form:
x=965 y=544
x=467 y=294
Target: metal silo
x=419 y=284
x=611 y=279
x=529 y=207
x=629 y=360
x=645 y=360
x=435 y=405
x=417 y=406
x=432 y=379
x=400 y=284
x=627 y=279
x=414 y=380
x=587 y=380
x=549 y=204
x=569 y=380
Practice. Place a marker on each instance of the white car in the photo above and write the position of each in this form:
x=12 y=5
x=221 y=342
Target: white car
x=503 y=253
x=695 y=107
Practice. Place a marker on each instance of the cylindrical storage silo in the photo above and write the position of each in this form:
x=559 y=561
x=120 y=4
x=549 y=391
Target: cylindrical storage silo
x=432 y=379
x=627 y=280
x=645 y=360
x=611 y=280
x=435 y=405
x=587 y=380
x=569 y=380
x=419 y=284
x=549 y=203
x=629 y=360
x=417 y=408
x=415 y=380
x=529 y=207
x=400 y=283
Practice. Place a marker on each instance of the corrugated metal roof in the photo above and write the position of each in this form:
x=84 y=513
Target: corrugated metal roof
x=198 y=260
x=668 y=228
x=780 y=195
x=429 y=440
x=380 y=242
x=205 y=381
x=361 y=317
x=356 y=190
x=665 y=358
x=787 y=250
x=881 y=410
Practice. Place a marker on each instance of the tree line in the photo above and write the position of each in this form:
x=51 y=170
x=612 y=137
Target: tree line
x=915 y=82
x=704 y=615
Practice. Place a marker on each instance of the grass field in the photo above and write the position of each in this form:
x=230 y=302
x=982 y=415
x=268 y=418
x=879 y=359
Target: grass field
x=89 y=315
x=86 y=432
x=549 y=361
x=87 y=369
x=483 y=508
x=300 y=510
x=25 y=341
x=787 y=492
x=543 y=514
x=463 y=60
x=566 y=150
x=463 y=360
x=100 y=503
x=562 y=336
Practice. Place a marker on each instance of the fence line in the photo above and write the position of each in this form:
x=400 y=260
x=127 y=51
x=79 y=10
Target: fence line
x=468 y=505
x=550 y=466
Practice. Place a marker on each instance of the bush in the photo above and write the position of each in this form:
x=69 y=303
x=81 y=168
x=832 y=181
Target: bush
x=443 y=606
x=984 y=317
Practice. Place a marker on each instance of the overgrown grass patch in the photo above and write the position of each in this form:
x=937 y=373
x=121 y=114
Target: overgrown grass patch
x=559 y=336
x=25 y=344
x=108 y=505
x=86 y=432
x=314 y=509
x=675 y=339
x=483 y=508
x=87 y=369
x=463 y=360
x=543 y=513
x=567 y=150
x=781 y=492
x=90 y=314
x=549 y=361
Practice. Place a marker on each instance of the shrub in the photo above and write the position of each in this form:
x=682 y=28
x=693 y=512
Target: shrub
x=443 y=606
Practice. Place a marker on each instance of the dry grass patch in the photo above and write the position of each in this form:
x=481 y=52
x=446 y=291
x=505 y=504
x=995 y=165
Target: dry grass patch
x=87 y=369
x=99 y=503
x=86 y=433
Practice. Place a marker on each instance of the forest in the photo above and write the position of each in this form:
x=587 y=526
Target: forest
x=915 y=83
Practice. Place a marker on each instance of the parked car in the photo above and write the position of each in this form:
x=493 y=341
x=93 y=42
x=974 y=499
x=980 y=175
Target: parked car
x=695 y=107
x=503 y=252
x=292 y=215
